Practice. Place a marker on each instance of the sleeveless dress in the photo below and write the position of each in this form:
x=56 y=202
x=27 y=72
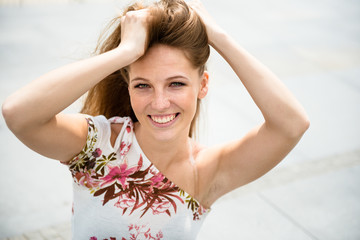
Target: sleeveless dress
x=120 y=195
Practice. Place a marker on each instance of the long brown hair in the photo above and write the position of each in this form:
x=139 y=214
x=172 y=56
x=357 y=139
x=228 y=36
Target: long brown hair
x=174 y=24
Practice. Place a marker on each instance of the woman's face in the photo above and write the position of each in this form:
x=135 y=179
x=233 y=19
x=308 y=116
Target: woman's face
x=164 y=88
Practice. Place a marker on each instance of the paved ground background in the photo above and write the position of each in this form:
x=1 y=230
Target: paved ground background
x=313 y=46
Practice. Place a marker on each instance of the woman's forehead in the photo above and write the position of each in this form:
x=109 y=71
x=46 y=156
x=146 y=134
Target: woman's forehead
x=162 y=60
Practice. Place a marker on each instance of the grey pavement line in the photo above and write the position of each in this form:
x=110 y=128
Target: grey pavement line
x=284 y=214
x=57 y=232
x=287 y=174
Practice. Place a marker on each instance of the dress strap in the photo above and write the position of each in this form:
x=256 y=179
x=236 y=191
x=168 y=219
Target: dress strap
x=195 y=171
x=124 y=139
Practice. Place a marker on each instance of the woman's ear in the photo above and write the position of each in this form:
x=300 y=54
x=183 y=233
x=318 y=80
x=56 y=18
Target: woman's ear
x=204 y=85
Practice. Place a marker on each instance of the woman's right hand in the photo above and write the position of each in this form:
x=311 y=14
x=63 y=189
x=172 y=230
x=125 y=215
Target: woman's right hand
x=134 y=32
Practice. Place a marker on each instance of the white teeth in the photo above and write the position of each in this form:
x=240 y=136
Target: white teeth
x=164 y=119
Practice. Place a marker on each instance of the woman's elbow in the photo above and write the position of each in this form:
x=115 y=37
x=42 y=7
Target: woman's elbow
x=11 y=116
x=300 y=126
x=305 y=125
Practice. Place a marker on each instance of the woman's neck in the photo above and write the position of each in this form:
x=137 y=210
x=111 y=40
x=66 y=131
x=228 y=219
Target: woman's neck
x=163 y=153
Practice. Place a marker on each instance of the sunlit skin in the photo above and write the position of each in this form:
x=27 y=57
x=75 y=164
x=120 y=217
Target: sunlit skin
x=164 y=88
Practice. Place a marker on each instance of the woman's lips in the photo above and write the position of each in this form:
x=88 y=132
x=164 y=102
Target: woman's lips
x=163 y=120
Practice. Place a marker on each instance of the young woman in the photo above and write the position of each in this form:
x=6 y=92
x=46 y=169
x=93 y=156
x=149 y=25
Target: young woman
x=137 y=172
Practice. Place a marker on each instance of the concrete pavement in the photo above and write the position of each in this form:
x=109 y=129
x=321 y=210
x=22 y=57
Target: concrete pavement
x=314 y=47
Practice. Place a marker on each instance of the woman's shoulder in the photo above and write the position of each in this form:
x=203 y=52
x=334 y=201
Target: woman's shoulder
x=102 y=129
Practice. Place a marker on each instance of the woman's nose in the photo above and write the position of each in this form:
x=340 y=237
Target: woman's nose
x=160 y=101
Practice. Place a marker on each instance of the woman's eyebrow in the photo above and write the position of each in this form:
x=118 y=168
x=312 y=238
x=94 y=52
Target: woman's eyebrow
x=167 y=79
x=177 y=77
x=138 y=79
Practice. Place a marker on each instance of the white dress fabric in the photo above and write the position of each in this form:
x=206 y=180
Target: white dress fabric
x=120 y=195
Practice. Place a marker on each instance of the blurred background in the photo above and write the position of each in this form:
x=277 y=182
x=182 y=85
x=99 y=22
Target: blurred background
x=313 y=46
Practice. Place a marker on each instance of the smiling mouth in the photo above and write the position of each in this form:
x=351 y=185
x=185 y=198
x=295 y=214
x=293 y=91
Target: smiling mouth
x=163 y=119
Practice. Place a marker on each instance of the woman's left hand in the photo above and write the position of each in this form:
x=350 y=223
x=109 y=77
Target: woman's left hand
x=213 y=30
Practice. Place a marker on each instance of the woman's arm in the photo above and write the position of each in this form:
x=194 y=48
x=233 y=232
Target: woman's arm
x=32 y=113
x=245 y=160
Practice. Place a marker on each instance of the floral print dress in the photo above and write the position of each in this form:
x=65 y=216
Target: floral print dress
x=120 y=195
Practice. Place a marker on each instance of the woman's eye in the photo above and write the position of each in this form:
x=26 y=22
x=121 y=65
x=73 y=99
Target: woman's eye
x=177 y=84
x=141 y=85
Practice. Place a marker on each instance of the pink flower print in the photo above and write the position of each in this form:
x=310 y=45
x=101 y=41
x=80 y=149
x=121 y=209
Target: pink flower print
x=159 y=235
x=157 y=179
x=125 y=203
x=131 y=226
x=111 y=238
x=122 y=145
x=97 y=153
x=160 y=207
x=119 y=174
x=124 y=148
x=85 y=179
x=139 y=232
